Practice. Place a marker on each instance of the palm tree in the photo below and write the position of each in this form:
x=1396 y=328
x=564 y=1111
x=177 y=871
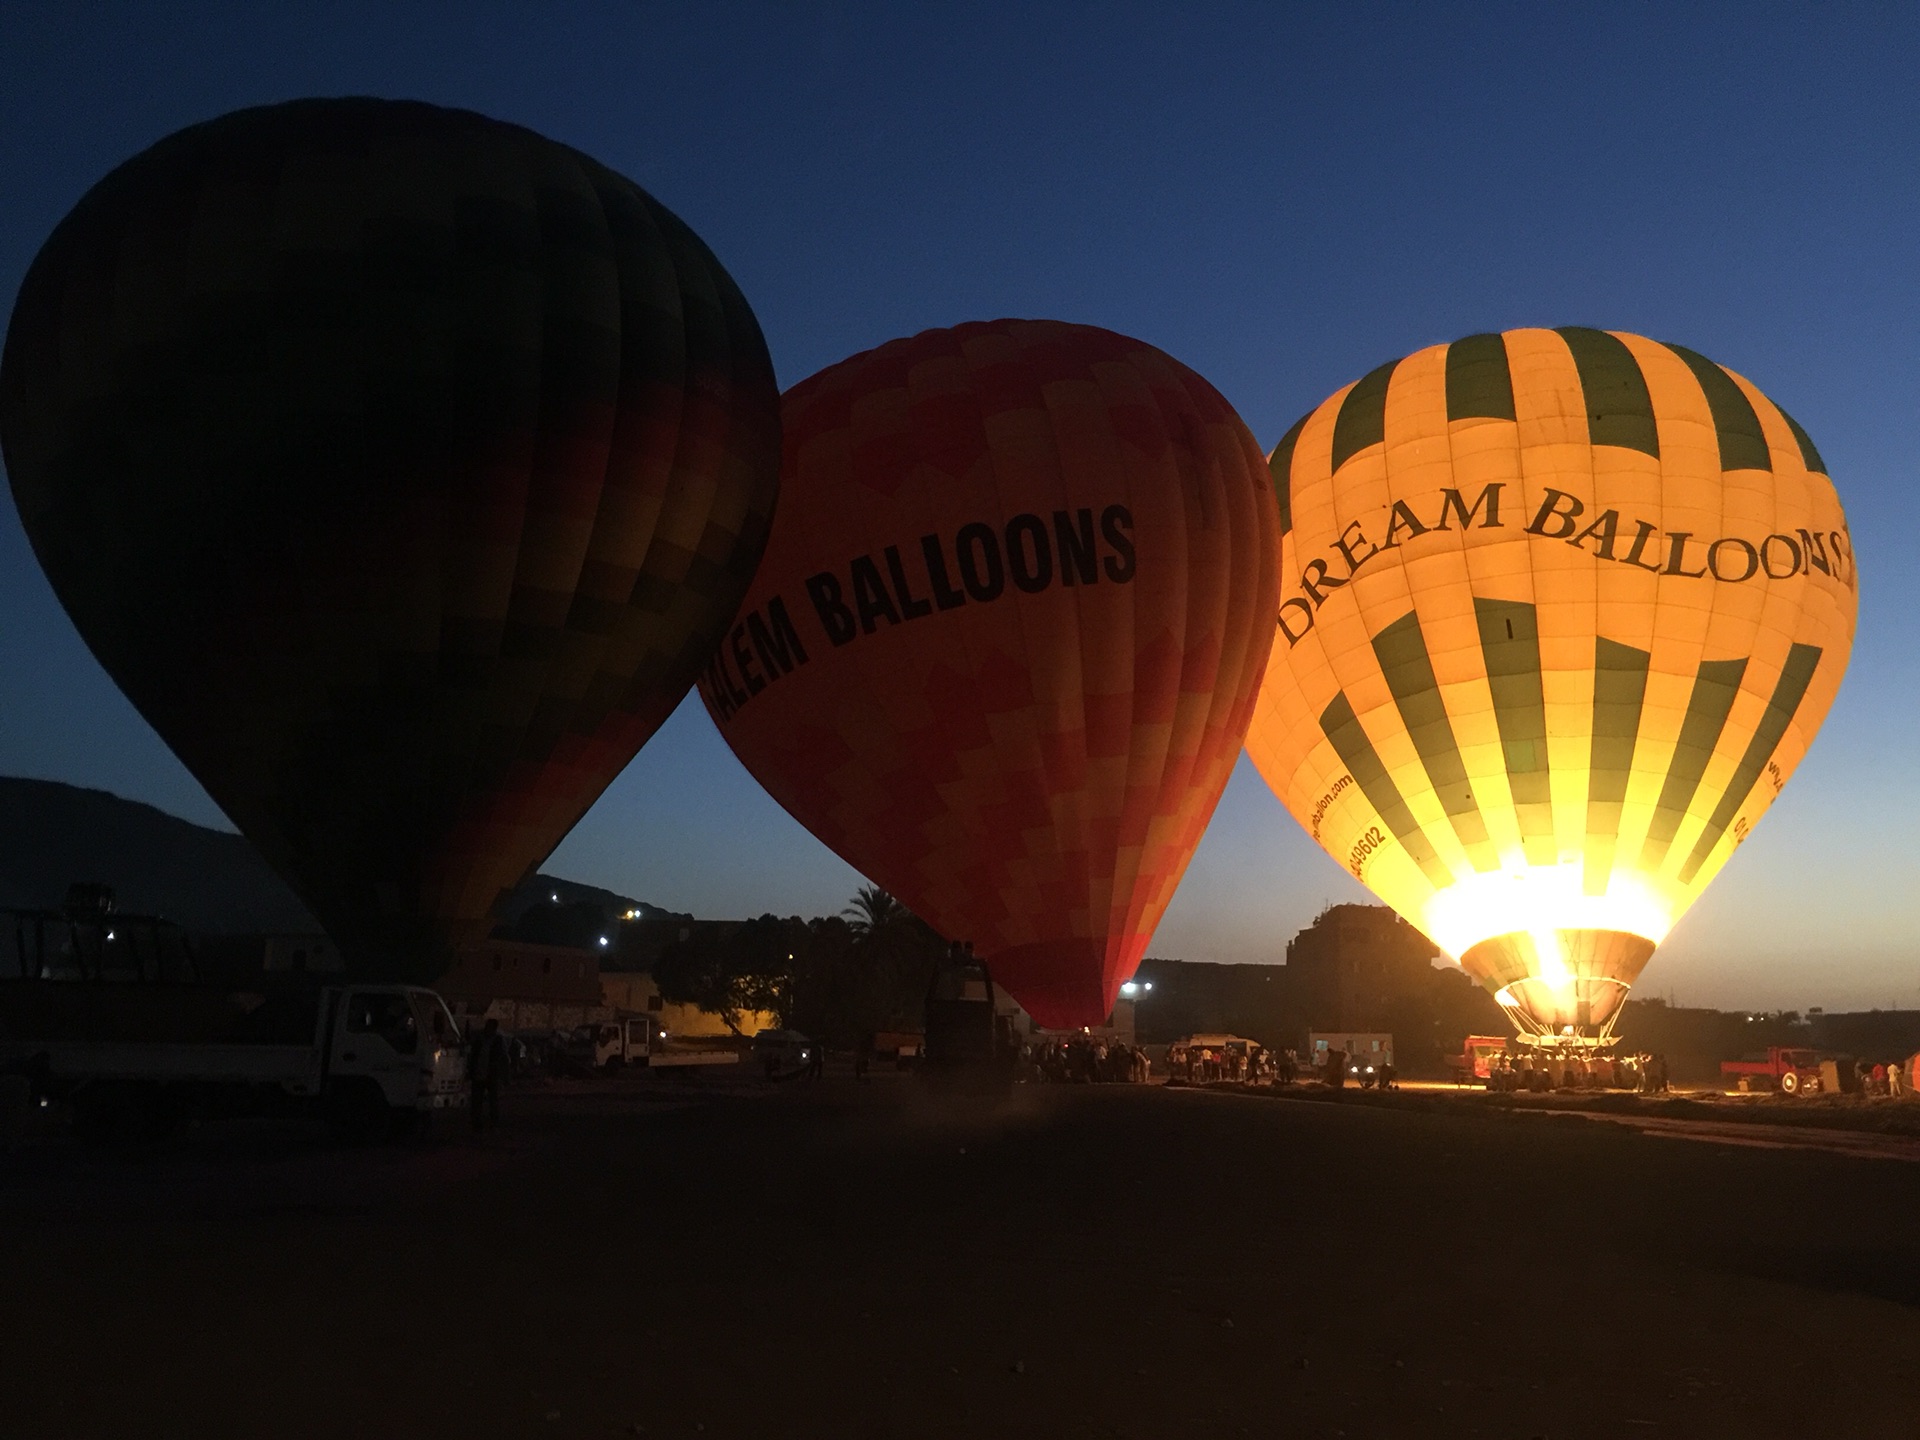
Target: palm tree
x=873 y=911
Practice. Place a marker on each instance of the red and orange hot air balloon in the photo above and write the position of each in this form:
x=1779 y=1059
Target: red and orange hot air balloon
x=1003 y=646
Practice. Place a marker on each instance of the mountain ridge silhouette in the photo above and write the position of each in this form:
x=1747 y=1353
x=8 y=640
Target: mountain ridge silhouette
x=208 y=881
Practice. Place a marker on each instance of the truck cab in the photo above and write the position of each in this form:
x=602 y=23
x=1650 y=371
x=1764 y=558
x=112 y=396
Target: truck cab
x=404 y=1040
x=623 y=1042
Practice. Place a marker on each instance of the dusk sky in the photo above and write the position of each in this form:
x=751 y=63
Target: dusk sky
x=1282 y=198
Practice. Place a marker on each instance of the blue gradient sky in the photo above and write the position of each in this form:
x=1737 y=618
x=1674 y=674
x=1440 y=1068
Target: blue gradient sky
x=1280 y=199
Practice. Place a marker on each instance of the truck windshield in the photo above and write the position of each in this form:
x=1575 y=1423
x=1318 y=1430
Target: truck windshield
x=436 y=1022
x=387 y=1015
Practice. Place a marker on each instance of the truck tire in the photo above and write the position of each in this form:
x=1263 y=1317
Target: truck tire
x=1790 y=1083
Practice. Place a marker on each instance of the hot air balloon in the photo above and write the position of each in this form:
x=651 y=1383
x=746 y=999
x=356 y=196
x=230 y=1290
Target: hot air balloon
x=1561 y=611
x=403 y=468
x=1003 y=647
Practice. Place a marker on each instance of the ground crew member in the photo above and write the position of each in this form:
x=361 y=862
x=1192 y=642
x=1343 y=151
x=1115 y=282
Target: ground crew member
x=486 y=1066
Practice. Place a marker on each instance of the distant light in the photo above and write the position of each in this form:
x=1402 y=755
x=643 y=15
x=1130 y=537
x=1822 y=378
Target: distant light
x=1129 y=988
x=1149 y=984
x=603 y=939
x=109 y=934
x=554 y=898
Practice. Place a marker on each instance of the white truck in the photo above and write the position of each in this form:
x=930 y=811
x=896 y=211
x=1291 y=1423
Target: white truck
x=374 y=1059
x=109 y=1014
x=622 y=1042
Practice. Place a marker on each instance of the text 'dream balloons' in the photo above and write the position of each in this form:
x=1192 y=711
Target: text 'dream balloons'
x=403 y=468
x=1003 y=647
x=1560 y=613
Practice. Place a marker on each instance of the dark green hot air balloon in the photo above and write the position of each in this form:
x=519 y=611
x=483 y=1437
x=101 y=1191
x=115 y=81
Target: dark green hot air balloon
x=403 y=467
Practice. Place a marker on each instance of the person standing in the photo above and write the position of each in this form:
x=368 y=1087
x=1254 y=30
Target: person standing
x=486 y=1067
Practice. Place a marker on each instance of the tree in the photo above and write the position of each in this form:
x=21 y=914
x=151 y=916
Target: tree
x=874 y=911
x=749 y=968
x=838 y=978
x=864 y=970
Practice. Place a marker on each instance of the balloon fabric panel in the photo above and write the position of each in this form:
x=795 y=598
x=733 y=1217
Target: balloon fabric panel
x=1030 y=571
x=402 y=467
x=1554 y=629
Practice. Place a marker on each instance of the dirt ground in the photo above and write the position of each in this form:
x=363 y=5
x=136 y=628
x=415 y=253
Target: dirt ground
x=714 y=1257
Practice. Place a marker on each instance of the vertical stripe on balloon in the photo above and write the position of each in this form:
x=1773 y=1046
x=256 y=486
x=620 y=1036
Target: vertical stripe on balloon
x=1797 y=674
x=1742 y=444
x=1349 y=740
x=1363 y=417
x=1479 y=382
x=1808 y=455
x=1619 y=409
x=1714 y=687
x=1619 y=696
x=1510 y=643
x=1280 y=467
x=1402 y=653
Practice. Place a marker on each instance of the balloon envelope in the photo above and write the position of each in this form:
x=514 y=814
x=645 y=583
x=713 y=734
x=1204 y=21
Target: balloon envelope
x=1561 y=612
x=1003 y=647
x=402 y=467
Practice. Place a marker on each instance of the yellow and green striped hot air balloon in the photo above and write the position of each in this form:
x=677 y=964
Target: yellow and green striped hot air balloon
x=1561 y=612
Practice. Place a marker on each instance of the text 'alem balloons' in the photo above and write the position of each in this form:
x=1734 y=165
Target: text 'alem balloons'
x=1003 y=647
x=1561 y=611
x=403 y=468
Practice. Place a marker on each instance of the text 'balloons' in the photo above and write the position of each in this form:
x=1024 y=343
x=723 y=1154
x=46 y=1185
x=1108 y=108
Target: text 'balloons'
x=1003 y=647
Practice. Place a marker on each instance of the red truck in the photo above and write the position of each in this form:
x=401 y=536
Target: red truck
x=1789 y=1070
x=1474 y=1064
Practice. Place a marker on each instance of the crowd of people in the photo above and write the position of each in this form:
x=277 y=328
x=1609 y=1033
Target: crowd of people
x=1236 y=1063
x=1526 y=1069
x=1251 y=1063
x=1893 y=1079
x=1083 y=1060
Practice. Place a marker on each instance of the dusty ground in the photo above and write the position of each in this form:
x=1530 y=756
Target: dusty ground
x=718 y=1259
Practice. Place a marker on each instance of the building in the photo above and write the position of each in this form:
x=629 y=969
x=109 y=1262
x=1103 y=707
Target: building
x=633 y=992
x=1355 y=966
x=627 y=983
x=313 y=954
x=524 y=984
